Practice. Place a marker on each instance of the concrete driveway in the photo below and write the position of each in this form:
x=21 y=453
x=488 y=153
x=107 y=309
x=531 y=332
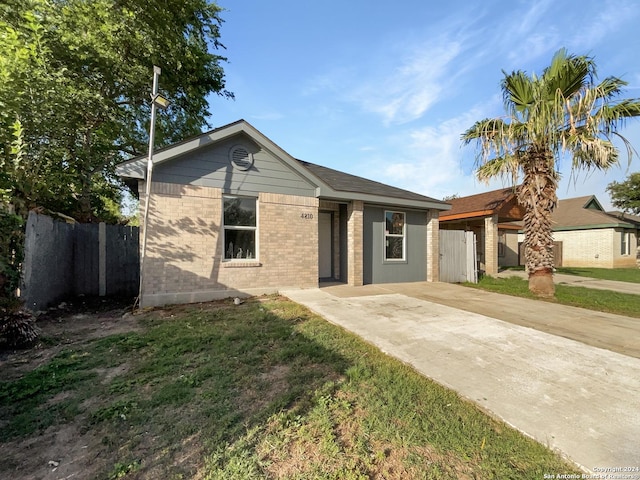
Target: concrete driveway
x=579 y=399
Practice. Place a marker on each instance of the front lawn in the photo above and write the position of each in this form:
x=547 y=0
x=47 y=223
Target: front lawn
x=261 y=390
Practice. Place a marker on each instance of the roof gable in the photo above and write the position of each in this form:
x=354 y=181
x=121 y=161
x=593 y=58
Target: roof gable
x=593 y=204
x=329 y=183
x=582 y=213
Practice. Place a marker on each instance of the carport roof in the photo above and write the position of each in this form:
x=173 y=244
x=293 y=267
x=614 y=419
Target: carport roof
x=502 y=202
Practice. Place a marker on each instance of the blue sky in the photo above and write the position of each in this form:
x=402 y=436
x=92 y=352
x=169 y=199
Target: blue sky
x=384 y=89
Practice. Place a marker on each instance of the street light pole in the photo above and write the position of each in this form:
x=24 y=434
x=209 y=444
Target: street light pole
x=147 y=184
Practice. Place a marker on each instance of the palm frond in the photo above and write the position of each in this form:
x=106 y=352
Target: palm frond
x=487 y=128
x=593 y=153
x=567 y=74
x=506 y=166
x=517 y=92
x=611 y=87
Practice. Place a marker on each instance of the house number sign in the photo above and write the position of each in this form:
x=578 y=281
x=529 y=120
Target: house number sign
x=306 y=216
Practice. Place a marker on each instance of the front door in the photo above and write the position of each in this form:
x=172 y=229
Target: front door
x=324 y=244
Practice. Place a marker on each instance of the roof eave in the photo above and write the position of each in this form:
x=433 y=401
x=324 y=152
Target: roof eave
x=338 y=196
x=594 y=226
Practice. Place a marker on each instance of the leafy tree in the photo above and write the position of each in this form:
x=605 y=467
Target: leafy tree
x=75 y=80
x=626 y=195
x=74 y=92
x=563 y=111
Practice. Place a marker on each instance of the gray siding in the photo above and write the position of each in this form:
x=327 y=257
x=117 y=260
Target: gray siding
x=210 y=167
x=375 y=269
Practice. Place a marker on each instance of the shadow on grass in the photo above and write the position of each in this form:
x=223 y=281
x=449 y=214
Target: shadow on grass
x=213 y=371
x=261 y=390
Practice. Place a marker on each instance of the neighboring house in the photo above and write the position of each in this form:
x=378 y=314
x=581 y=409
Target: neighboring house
x=488 y=215
x=590 y=237
x=231 y=213
x=635 y=221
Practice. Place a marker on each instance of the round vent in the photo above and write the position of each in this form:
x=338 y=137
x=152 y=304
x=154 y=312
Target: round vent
x=241 y=158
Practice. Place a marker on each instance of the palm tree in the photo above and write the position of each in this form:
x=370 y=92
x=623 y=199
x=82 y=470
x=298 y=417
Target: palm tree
x=562 y=112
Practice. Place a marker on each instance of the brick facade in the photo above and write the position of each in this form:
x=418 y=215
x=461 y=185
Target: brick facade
x=185 y=246
x=491 y=245
x=355 y=226
x=433 y=246
x=595 y=248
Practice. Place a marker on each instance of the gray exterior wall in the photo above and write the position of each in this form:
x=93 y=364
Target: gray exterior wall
x=375 y=268
x=210 y=167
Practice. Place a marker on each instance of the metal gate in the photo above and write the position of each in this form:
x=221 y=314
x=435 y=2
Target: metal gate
x=458 y=262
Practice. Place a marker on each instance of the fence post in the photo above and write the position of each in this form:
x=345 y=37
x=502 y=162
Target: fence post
x=102 y=259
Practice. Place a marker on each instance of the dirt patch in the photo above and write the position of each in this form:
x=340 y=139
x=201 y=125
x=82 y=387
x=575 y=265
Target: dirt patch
x=70 y=324
x=268 y=385
x=67 y=450
x=60 y=452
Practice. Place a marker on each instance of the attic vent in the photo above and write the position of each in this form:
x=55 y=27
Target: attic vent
x=241 y=158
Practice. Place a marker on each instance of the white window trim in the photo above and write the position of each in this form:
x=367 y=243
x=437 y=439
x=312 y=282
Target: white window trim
x=256 y=256
x=625 y=241
x=403 y=236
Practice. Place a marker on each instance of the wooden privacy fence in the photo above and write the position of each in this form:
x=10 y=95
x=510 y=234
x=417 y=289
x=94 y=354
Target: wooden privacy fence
x=63 y=260
x=458 y=262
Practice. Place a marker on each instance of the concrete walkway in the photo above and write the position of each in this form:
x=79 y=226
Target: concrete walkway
x=577 y=281
x=581 y=400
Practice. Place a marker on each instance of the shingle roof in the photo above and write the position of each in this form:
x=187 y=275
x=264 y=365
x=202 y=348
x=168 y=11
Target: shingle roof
x=345 y=182
x=481 y=204
x=573 y=213
x=626 y=217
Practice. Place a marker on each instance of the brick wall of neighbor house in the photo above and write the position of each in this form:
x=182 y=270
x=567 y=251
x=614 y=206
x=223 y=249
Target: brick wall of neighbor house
x=588 y=248
x=510 y=257
x=185 y=246
x=620 y=260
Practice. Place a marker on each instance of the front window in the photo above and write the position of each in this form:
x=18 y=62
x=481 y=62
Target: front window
x=240 y=227
x=394 y=236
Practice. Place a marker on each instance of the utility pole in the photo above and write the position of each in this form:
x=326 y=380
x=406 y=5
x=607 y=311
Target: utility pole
x=157 y=101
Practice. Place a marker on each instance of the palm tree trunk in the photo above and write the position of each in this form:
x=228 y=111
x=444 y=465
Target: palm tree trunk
x=537 y=194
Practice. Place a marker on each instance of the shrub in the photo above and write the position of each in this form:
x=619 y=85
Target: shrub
x=17 y=326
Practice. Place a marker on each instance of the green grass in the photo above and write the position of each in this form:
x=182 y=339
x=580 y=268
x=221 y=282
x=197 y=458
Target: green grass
x=592 y=299
x=263 y=390
x=631 y=275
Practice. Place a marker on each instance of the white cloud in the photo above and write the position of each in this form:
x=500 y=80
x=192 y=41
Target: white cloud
x=407 y=89
x=428 y=160
x=608 y=19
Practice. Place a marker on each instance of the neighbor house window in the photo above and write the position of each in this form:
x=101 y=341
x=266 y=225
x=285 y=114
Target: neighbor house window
x=625 y=243
x=240 y=227
x=394 y=235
